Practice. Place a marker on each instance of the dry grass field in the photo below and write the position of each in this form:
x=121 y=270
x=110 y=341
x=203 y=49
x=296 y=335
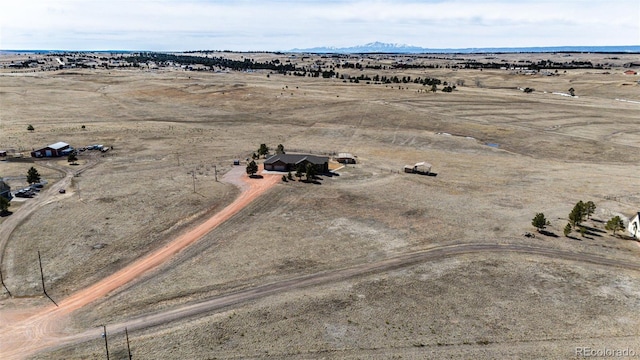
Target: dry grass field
x=165 y=126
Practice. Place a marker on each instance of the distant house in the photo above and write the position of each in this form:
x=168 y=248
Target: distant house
x=418 y=168
x=5 y=190
x=290 y=162
x=53 y=150
x=630 y=72
x=346 y=158
x=634 y=226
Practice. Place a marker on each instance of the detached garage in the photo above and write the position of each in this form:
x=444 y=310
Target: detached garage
x=53 y=150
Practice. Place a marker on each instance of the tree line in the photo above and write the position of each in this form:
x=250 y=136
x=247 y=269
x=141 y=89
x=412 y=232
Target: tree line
x=581 y=212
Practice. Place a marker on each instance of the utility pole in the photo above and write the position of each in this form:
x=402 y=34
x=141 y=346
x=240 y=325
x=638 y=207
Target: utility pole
x=193 y=175
x=41 y=273
x=215 y=173
x=128 y=347
x=104 y=335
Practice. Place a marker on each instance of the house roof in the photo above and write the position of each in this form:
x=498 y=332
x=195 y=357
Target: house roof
x=345 y=155
x=59 y=145
x=296 y=159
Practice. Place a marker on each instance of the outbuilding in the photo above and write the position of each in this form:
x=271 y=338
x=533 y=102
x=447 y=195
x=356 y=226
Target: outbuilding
x=634 y=226
x=58 y=149
x=418 y=168
x=346 y=158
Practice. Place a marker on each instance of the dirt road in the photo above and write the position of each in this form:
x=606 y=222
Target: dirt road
x=23 y=334
x=221 y=302
x=43 y=198
x=27 y=332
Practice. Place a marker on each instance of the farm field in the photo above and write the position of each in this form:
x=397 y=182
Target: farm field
x=368 y=263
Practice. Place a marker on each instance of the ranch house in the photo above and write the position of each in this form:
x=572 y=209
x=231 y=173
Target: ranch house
x=290 y=162
x=53 y=150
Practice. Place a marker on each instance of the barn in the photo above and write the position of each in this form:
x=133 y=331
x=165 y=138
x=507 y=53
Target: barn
x=634 y=226
x=58 y=149
x=290 y=162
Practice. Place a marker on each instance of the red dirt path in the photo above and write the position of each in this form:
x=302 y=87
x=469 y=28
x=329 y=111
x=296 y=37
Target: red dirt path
x=25 y=332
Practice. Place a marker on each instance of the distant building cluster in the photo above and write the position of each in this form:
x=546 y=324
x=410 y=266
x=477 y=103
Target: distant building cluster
x=53 y=150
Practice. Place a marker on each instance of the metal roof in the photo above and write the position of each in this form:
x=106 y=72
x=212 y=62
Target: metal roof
x=59 y=145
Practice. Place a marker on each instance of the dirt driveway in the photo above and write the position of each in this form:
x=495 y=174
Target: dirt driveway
x=25 y=333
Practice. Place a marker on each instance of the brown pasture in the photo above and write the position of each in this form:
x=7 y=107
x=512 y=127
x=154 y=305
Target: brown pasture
x=171 y=131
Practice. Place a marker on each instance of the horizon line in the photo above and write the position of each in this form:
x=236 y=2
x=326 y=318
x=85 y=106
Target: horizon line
x=558 y=48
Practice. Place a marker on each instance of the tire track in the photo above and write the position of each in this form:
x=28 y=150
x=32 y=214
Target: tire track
x=221 y=302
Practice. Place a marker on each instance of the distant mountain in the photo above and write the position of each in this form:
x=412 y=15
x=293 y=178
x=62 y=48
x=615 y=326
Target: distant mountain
x=379 y=47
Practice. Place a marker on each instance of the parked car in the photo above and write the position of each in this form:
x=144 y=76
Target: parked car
x=24 y=194
x=62 y=191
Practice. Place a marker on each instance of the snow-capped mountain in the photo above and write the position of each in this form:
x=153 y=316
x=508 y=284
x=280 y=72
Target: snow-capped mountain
x=374 y=47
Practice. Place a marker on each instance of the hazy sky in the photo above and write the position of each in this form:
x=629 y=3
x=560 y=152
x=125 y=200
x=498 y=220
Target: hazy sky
x=285 y=24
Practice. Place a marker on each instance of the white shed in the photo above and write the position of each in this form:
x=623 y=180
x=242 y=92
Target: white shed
x=634 y=226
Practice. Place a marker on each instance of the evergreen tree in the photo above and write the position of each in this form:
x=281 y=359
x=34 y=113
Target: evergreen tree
x=4 y=205
x=577 y=214
x=33 y=176
x=615 y=224
x=590 y=208
x=539 y=221
x=263 y=150
x=252 y=168
x=299 y=171
x=72 y=158
x=311 y=171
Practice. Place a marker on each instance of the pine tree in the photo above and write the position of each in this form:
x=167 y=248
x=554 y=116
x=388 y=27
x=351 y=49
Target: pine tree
x=33 y=176
x=252 y=168
x=615 y=224
x=577 y=214
x=590 y=208
x=539 y=221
